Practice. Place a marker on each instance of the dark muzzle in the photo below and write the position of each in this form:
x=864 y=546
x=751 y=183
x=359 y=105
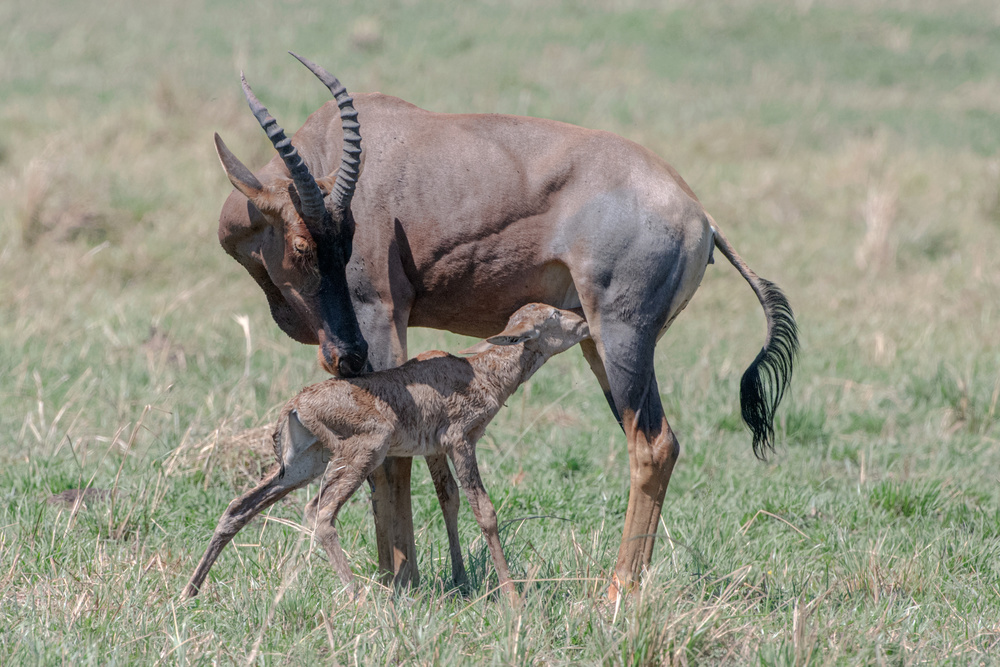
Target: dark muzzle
x=349 y=363
x=353 y=364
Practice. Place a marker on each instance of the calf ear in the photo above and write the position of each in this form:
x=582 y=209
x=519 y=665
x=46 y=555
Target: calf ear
x=241 y=177
x=481 y=346
x=513 y=338
x=505 y=338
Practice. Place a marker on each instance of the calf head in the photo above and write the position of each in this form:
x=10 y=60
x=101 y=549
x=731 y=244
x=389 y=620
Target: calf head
x=301 y=236
x=543 y=329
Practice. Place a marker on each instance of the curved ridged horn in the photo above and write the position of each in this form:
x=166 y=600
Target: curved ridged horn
x=350 y=162
x=310 y=196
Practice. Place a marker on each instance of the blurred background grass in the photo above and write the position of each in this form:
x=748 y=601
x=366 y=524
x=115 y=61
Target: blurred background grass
x=850 y=149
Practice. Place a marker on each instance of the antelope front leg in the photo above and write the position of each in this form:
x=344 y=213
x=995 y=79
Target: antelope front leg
x=393 y=513
x=384 y=327
x=468 y=473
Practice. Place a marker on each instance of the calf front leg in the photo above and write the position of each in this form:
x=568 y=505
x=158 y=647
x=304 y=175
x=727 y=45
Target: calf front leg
x=447 y=493
x=467 y=468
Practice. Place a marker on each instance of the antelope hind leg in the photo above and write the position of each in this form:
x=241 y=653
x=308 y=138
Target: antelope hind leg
x=652 y=454
x=652 y=451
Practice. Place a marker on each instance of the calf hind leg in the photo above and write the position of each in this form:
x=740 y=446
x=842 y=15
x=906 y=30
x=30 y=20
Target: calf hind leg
x=336 y=491
x=272 y=488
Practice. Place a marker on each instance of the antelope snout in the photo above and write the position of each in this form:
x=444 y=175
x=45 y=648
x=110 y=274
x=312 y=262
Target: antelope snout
x=353 y=364
x=343 y=363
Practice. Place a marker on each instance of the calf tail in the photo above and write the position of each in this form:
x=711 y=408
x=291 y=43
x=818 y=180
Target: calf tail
x=766 y=379
x=277 y=440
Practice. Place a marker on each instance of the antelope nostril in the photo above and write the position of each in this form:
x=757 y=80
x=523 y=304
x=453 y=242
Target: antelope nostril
x=344 y=361
x=351 y=365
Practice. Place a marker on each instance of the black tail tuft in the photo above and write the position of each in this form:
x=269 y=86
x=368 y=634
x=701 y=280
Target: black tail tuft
x=765 y=381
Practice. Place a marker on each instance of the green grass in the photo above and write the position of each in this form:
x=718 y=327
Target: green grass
x=850 y=150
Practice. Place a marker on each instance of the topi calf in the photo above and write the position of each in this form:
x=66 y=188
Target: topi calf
x=434 y=404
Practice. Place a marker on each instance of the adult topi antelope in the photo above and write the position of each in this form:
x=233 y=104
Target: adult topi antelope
x=454 y=221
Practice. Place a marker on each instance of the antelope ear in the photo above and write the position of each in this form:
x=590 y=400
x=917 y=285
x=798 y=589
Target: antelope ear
x=241 y=177
x=325 y=184
x=513 y=338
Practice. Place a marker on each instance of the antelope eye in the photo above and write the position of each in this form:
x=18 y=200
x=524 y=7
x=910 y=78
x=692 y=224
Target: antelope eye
x=300 y=245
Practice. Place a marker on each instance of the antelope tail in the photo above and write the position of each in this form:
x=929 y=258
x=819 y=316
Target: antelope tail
x=766 y=379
